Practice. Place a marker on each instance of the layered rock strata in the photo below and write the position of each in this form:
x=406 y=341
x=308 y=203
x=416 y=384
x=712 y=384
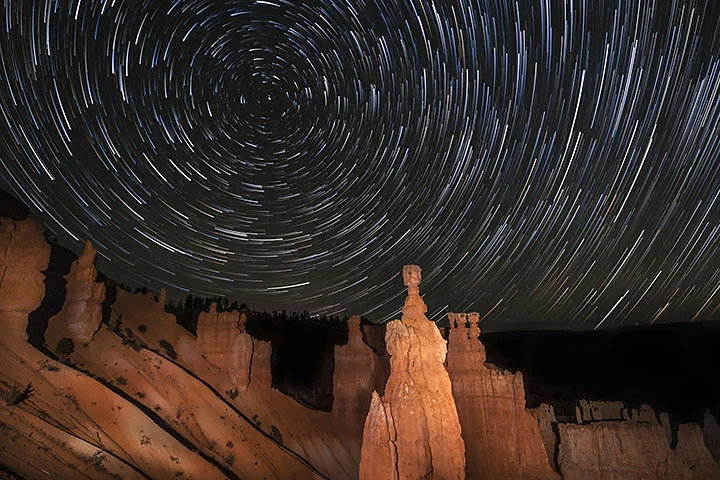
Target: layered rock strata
x=56 y=422
x=141 y=397
x=179 y=400
x=630 y=450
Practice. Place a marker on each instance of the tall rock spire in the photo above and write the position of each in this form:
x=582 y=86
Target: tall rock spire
x=413 y=431
x=81 y=314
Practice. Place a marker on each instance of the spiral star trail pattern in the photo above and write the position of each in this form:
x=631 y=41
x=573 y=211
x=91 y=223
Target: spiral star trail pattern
x=548 y=163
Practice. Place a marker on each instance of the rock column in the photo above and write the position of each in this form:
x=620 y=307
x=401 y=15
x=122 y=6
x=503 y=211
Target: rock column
x=503 y=438
x=413 y=431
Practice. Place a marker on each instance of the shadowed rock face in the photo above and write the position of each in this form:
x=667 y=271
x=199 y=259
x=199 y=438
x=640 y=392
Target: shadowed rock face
x=711 y=434
x=413 y=431
x=302 y=359
x=664 y=365
x=61 y=261
x=356 y=365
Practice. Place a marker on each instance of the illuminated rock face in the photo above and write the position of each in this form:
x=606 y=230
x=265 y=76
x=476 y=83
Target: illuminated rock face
x=502 y=438
x=69 y=425
x=146 y=398
x=413 y=431
x=633 y=450
x=24 y=254
x=185 y=404
x=222 y=340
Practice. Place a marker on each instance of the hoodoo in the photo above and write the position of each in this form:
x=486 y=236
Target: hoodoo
x=413 y=431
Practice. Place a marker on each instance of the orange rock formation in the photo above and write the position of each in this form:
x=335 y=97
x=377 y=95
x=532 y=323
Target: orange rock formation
x=315 y=437
x=502 y=438
x=81 y=315
x=633 y=450
x=24 y=254
x=183 y=403
x=65 y=424
x=222 y=340
x=413 y=431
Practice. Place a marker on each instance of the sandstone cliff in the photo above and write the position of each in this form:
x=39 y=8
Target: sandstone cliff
x=222 y=340
x=62 y=423
x=317 y=438
x=186 y=405
x=609 y=441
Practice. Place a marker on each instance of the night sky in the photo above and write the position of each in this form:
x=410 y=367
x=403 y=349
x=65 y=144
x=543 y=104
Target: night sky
x=548 y=164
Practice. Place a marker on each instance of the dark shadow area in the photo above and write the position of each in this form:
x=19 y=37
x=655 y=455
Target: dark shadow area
x=186 y=317
x=12 y=208
x=61 y=259
x=302 y=360
x=672 y=368
x=8 y=473
x=110 y=297
x=374 y=336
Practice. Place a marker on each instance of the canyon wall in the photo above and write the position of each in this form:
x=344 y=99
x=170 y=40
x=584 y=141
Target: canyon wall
x=55 y=421
x=633 y=450
x=505 y=440
x=610 y=441
x=222 y=340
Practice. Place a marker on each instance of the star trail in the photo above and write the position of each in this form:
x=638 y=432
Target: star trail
x=549 y=164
